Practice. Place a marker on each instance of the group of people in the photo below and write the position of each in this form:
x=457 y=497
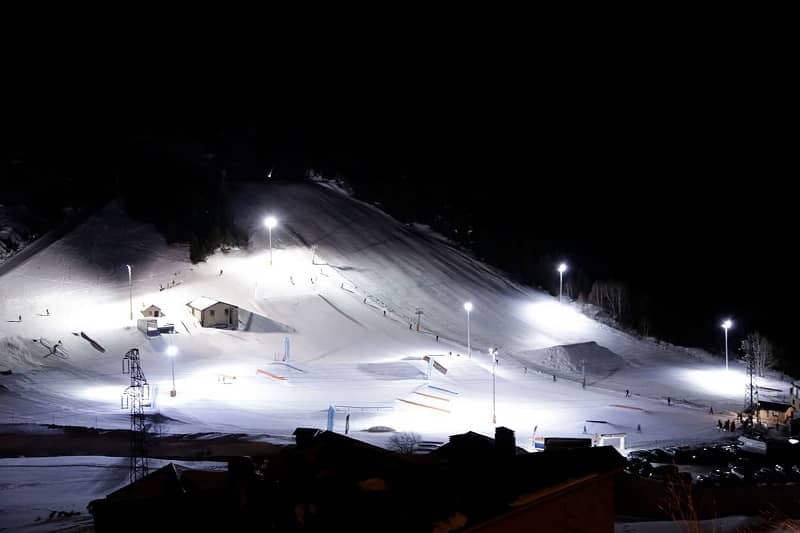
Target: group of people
x=169 y=285
x=729 y=425
x=47 y=313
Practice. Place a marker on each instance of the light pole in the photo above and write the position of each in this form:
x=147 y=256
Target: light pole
x=172 y=351
x=468 y=309
x=583 y=372
x=561 y=269
x=270 y=222
x=493 y=353
x=130 y=289
x=726 y=326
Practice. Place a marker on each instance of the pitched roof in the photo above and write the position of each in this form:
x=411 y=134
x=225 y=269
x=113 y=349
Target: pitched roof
x=162 y=482
x=202 y=302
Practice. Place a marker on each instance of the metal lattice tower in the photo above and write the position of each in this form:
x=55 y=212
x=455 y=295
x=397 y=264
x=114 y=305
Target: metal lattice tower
x=134 y=397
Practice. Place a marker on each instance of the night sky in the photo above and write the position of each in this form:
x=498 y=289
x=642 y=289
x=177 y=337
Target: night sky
x=679 y=185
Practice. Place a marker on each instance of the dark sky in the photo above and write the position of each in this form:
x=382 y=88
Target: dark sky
x=672 y=173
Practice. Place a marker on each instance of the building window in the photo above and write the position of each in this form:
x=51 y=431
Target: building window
x=211 y=312
x=226 y=311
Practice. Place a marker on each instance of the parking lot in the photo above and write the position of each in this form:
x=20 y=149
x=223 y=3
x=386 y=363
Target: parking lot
x=720 y=465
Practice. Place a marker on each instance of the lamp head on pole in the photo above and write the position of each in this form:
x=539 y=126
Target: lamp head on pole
x=468 y=307
x=562 y=268
x=270 y=222
x=172 y=351
x=727 y=325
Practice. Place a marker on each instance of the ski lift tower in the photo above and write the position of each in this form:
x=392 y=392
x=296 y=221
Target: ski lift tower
x=134 y=398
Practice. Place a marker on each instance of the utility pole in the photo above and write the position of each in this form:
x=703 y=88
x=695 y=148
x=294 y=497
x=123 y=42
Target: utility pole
x=583 y=371
x=130 y=289
x=493 y=353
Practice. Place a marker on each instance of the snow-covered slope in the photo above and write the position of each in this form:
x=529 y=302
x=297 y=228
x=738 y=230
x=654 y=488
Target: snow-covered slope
x=339 y=264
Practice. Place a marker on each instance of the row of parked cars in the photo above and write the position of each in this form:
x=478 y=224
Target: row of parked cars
x=733 y=467
x=742 y=472
x=642 y=468
x=719 y=454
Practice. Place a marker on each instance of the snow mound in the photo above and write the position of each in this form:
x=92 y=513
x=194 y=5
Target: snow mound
x=251 y=321
x=570 y=358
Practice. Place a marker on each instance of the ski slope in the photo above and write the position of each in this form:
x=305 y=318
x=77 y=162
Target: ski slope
x=345 y=284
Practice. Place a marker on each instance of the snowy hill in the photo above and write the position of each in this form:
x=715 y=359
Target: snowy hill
x=345 y=289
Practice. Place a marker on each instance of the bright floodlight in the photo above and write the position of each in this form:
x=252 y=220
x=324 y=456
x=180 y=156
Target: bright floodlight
x=172 y=351
x=468 y=307
x=270 y=222
x=562 y=267
x=726 y=326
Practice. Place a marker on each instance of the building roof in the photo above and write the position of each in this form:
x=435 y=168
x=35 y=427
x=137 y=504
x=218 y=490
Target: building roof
x=470 y=443
x=202 y=302
x=162 y=482
x=152 y=306
x=773 y=406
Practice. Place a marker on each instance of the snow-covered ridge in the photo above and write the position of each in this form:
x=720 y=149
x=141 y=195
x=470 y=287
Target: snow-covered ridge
x=14 y=234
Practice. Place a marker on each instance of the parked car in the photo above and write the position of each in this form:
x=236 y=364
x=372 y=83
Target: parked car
x=706 y=480
x=635 y=465
x=766 y=475
x=664 y=472
x=724 y=478
x=744 y=473
x=639 y=454
x=782 y=473
x=661 y=456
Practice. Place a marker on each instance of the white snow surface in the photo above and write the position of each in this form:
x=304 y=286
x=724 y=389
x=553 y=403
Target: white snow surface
x=338 y=265
x=34 y=487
